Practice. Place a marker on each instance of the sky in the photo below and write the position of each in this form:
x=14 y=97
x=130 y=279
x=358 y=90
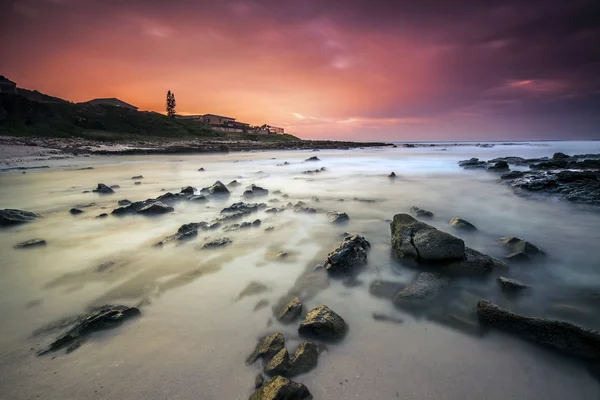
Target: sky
x=324 y=69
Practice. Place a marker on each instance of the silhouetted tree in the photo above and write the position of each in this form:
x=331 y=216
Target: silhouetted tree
x=171 y=104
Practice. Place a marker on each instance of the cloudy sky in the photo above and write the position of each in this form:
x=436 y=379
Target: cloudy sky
x=355 y=69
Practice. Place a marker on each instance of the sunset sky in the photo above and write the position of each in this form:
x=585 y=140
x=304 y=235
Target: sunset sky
x=352 y=69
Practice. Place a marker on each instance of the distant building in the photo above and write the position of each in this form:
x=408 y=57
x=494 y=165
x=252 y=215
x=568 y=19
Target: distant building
x=199 y=118
x=7 y=86
x=274 y=129
x=114 y=102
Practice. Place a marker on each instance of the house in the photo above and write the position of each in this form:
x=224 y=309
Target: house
x=7 y=86
x=225 y=124
x=114 y=102
x=198 y=118
x=274 y=129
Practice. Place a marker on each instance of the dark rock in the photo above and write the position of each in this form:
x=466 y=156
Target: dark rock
x=258 y=381
x=103 y=189
x=124 y=202
x=244 y=208
x=305 y=358
x=269 y=228
x=419 y=212
x=155 y=208
x=518 y=257
x=500 y=166
x=323 y=323
x=338 y=217
x=280 y=388
x=31 y=243
x=351 y=253
x=101 y=318
x=461 y=224
x=137 y=177
x=313 y=158
x=255 y=191
x=198 y=199
x=201 y=169
x=511 y=160
x=521 y=250
x=279 y=364
x=306 y=210
x=14 y=217
x=188 y=190
x=508 y=284
x=473 y=263
x=103 y=215
x=217 y=243
x=563 y=336
x=267 y=347
x=233 y=183
x=275 y=210
x=217 y=190
x=473 y=163
x=422 y=290
x=75 y=211
x=385 y=289
x=291 y=311
x=513 y=175
x=559 y=156
x=392 y=175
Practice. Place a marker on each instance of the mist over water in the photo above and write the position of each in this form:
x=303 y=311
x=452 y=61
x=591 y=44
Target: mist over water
x=198 y=322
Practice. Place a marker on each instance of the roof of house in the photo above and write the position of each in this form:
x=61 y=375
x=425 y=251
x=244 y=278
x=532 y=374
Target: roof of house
x=111 y=101
x=4 y=79
x=218 y=116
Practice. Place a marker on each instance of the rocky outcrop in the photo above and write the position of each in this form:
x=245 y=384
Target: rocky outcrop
x=337 y=217
x=14 y=217
x=563 y=336
x=30 y=243
x=462 y=224
x=419 y=212
x=267 y=347
x=511 y=285
x=103 y=189
x=280 y=388
x=101 y=318
x=519 y=249
x=290 y=311
x=351 y=253
x=419 y=242
x=323 y=323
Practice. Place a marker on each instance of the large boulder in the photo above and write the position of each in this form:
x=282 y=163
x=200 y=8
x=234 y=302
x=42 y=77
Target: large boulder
x=323 y=323
x=267 y=347
x=14 y=217
x=103 y=189
x=563 y=336
x=351 y=253
x=421 y=291
x=280 y=388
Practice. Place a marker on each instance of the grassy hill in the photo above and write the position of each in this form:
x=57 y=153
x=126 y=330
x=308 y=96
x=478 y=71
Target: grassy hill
x=34 y=114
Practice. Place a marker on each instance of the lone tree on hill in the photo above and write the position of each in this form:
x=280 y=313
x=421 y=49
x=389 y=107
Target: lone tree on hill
x=171 y=104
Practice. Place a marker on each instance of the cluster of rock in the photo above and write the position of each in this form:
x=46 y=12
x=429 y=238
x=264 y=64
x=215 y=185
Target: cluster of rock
x=575 y=178
x=316 y=171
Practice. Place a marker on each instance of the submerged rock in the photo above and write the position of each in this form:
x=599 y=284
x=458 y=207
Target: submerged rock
x=155 y=208
x=500 y=166
x=508 y=284
x=519 y=249
x=267 y=347
x=419 y=212
x=101 y=318
x=217 y=190
x=75 y=211
x=103 y=189
x=461 y=224
x=313 y=158
x=563 y=336
x=31 y=243
x=124 y=202
x=351 y=253
x=423 y=289
x=337 y=217
x=217 y=243
x=291 y=311
x=280 y=388
x=255 y=191
x=323 y=323
x=473 y=163
x=14 y=217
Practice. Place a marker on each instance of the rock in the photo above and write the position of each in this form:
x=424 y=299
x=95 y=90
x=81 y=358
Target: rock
x=291 y=311
x=269 y=228
x=422 y=242
x=423 y=289
x=306 y=210
x=233 y=183
x=351 y=253
x=518 y=257
x=392 y=175
x=201 y=169
x=115 y=186
x=101 y=318
x=155 y=208
x=217 y=243
x=31 y=243
x=137 y=177
x=258 y=381
x=243 y=208
x=473 y=163
x=198 y=199
x=508 y=284
x=103 y=215
x=462 y=224
x=513 y=175
x=338 y=217
x=313 y=158
x=500 y=166
x=137 y=183
x=267 y=347
x=124 y=202
x=14 y=217
x=279 y=364
x=188 y=190
x=473 y=263
x=255 y=191
x=305 y=358
x=563 y=336
x=280 y=388
x=520 y=249
x=315 y=199
x=103 y=189
x=323 y=323
x=559 y=156
x=75 y=211
x=217 y=190
x=385 y=289
x=419 y=212
x=387 y=318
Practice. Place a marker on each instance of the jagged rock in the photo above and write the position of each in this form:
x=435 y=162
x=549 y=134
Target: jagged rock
x=103 y=189
x=337 y=217
x=313 y=158
x=279 y=364
x=98 y=319
x=103 y=215
x=137 y=177
x=513 y=175
x=473 y=163
x=188 y=190
x=323 y=323
x=267 y=347
x=508 y=284
x=563 y=336
x=255 y=191
x=75 y=211
x=351 y=253
x=520 y=250
x=31 y=243
x=275 y=210
x=419 y=212
x=124 y=202
x=217 y=243
x=258 y=381
x=459 y=223
x=14 y=217
x=233 y=183
x=500 y=166
x=155 y=208
x=280 y=388
x=305 y=358
x=392 y=175
x=291 y=311
x=423 y=289
x=217 y=190
x=244 y=208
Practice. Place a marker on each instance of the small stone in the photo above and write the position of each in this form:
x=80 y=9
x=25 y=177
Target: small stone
x=31 y=243
x=137 y=177
x=508 y=284
x=259 y=380
x=75 y=211
x=324 y=323
x=459 y=223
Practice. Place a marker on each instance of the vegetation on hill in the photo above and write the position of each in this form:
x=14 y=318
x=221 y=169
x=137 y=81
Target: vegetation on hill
x=47 y=116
